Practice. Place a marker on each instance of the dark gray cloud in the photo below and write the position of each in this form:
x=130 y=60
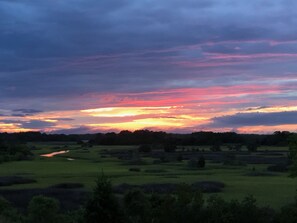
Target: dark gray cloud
x=18 y=115
x=27 y=110
x=80 y=130
x=255 y=119
x=37 y=124
x=23 y=112
x=64 y=119
x=77 y=28
x=9 y=121
x=31 y=124
x=256 y=108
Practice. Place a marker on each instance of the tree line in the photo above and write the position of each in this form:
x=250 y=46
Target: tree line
x=14 y=151
x=153 y=137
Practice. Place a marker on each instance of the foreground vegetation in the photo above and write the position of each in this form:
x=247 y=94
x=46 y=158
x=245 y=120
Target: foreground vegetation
x=185 y=205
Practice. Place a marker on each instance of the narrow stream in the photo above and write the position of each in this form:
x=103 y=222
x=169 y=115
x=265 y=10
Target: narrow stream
x=55 y=153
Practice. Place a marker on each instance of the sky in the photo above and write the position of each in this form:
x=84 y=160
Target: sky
x=85 y=66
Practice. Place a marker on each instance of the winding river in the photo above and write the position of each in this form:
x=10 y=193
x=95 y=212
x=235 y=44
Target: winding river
x=55 y=153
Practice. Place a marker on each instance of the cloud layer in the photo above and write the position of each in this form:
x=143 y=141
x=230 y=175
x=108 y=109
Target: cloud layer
x=255 y=119
x=210 y=60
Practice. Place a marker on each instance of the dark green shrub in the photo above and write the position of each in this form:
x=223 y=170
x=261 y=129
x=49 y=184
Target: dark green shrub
x=230 y=160
x=179 y=158
x=68 y=185
x=8 y=214
x=137 y=206
x=43 y=210
x=144 y=149
x=194 y=163
x=246 y=211
x=201 y=162
x=189 y=204
x=288 y=213
x=252 y=147
x=170 y=148
x=103 y=206
x=278 y=168
x=135 y=169
x=215 y=148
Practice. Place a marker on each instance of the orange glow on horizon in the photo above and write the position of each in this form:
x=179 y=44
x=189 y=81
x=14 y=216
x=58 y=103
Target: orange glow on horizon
x=127 y=111
x=166 y=123
x=264 y=129
x=170 y=110
x=10 y=128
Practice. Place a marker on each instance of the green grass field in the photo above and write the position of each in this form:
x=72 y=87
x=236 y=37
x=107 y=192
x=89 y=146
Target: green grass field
x=275 y=190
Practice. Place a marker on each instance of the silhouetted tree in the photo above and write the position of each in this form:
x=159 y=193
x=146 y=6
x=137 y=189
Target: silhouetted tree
x=8 y=214
x=137 y=207
x=189 y=204
x=103 y=206
x=43 y=210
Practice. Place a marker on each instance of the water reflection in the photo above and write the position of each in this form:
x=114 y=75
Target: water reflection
x=55 y=153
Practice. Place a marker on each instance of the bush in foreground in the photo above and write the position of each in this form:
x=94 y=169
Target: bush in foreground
x=8 y=214
x=185 y=204
x=43 y=210
x=103 y=206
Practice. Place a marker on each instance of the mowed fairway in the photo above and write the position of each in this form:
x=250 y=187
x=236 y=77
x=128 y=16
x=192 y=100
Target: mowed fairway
x=274 y=190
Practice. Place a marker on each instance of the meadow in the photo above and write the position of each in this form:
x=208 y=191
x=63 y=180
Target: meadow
x=84 y=164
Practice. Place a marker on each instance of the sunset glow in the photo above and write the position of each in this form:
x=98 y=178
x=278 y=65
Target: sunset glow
x=155 y=65
x=126 y=111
